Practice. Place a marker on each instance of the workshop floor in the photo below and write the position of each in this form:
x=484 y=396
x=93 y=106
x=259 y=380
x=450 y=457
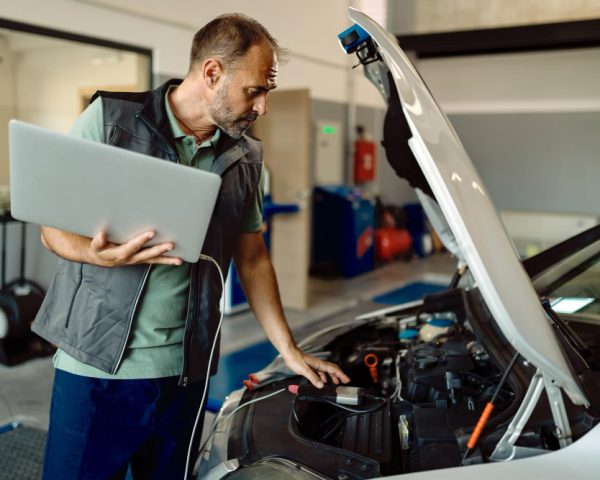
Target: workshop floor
x=25 y=389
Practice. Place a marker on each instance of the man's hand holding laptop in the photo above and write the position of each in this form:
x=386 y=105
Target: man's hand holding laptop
x=99 y=251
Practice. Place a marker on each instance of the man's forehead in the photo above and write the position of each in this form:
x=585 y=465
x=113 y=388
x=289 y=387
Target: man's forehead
x=272 y=76
x=263 y=74
x=258 y=67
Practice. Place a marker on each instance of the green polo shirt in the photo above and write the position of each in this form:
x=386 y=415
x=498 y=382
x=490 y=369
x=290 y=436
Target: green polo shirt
x=155 y=347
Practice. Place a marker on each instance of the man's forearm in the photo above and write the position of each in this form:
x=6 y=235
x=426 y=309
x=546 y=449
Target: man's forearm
x=262 y=292
x=260 y=285
x=67 y=245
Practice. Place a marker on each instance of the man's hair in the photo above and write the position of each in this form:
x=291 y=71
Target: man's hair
x=228 y=37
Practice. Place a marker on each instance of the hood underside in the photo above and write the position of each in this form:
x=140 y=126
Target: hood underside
x=446 y=172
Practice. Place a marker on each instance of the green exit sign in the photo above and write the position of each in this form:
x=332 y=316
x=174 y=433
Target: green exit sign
x=328 y=130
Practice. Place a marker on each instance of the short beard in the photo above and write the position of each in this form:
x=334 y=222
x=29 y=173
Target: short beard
x=225 y=118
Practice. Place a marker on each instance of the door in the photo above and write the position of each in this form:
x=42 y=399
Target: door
x=285 y=133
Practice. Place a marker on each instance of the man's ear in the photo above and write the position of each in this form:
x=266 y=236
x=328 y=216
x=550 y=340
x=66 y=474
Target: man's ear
x=212 y=71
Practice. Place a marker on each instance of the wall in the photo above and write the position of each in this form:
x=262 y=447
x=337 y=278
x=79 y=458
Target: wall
x=536 y=161
x=84 y=19
x=6 y=104
x=61 y=67
x=530 y=123
x=392 y=189
x=308 y=29
x=427 y=16
x=550 y=81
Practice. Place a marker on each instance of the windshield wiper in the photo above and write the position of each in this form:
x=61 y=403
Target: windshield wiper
x=577 y=351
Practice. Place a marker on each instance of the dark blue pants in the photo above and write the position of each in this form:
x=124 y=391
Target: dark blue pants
x=100 y=427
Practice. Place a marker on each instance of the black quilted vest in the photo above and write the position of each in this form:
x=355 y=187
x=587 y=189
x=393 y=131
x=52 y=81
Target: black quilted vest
x=88 y=310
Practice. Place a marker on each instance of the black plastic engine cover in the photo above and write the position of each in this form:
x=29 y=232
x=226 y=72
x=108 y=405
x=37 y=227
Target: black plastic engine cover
x=369 y=435
x=434 y=443
x=426 y=374
x=267 y=429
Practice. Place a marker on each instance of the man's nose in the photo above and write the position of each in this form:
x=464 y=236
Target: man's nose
x=260 y=105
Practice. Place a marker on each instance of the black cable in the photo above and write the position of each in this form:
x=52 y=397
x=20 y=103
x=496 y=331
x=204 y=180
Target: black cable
x=316 y=398
x=504 y=376
x=352 y=411
x=484 y=380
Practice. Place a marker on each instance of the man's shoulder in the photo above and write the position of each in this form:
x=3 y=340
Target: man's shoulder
x=132 y=97
x=136 y=97
x=254 y=149
x=255 y=143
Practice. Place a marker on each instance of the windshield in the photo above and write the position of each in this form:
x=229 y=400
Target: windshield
x=573 y=284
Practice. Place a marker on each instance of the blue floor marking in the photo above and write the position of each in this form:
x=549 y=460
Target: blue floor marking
x=234 y=368
x=409 y=292
x=7 y=428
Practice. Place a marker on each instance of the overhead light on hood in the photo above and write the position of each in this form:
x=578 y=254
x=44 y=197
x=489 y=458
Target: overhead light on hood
x=456 y=177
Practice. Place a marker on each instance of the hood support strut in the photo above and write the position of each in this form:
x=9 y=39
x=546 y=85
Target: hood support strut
x=506 y=449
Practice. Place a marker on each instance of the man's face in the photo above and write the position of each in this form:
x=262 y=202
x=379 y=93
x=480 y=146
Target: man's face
x=242 y=96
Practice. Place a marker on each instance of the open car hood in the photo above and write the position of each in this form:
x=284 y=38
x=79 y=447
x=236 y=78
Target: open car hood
x=476 y=228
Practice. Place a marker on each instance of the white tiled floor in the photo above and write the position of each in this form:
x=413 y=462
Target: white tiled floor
x=25 y=389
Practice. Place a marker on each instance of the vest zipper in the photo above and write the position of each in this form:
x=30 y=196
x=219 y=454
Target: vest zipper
x=135 y=305
x=186 y=348
x=151 y=127
x=74 y=295
x=192 y=316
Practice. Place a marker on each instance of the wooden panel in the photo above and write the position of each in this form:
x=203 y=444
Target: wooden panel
x=285 y=133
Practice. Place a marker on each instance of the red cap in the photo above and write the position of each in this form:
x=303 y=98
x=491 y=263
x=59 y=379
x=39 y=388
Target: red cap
x=293 y=389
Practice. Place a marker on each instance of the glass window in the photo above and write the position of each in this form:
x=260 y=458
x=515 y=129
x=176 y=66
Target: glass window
x=573 y=284
x=48 y=80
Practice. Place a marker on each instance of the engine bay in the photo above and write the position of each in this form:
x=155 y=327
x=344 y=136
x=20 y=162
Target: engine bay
x=421 y=380
x=432 y=378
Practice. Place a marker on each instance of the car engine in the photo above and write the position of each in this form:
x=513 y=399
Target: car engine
x=424 y=380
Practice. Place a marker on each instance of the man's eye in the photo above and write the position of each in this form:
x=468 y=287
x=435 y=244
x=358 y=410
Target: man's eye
x=253 y=92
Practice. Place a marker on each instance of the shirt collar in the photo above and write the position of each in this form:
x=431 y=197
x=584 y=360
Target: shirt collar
x=178 y=133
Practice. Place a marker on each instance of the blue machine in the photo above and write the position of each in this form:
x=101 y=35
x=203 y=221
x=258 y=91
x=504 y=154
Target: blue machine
x=343 y=231
x=419 y=230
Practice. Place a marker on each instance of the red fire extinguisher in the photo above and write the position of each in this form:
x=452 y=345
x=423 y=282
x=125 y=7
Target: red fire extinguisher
x=364 y=158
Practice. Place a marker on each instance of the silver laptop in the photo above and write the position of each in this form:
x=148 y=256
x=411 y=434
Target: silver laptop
x=85 y=187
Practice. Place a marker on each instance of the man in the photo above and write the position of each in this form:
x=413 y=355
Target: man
x=134 y=326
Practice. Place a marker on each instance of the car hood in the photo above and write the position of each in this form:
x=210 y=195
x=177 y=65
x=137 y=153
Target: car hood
x=467 y=208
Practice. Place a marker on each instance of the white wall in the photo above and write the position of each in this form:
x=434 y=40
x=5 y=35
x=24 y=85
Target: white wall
x=529 y=122
x=427 y=16
x=553 y=81
x=80 y=18
x=61 y=67
x=308 y=29
x=6 y=105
